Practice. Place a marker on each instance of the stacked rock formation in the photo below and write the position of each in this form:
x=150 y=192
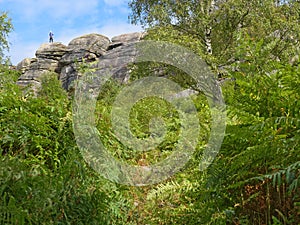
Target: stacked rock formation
x=63 y=60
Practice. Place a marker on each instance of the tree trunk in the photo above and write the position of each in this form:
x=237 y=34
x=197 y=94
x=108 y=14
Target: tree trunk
x=208 y=29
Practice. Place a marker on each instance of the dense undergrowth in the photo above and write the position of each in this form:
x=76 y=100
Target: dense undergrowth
x=43 y=178
x=255 y=178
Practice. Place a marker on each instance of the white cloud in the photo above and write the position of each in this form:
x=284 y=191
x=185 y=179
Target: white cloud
x=115 y=2
x=32 y=9
x=114 y=29
x=18 y=51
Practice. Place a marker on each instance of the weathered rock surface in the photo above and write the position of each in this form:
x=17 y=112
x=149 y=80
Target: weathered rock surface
x=112 y=56
x=52 y=51
x=125 y=38
x=23 y=66
x=47 y=60
x=95 y=43
x=115 y=62
x=89 y=48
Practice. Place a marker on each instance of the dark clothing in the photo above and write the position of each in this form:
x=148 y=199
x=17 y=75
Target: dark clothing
x=51 y=37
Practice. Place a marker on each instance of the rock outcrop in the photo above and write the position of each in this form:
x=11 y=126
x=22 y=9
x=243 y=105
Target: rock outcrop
x=113 y=55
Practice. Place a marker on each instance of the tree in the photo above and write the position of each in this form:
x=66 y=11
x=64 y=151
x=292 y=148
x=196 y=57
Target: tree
x=255 y=177
x=221 y=26
x=5 y=28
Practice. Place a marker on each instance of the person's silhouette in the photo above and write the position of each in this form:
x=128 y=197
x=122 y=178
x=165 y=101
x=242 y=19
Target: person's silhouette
x=51 y=37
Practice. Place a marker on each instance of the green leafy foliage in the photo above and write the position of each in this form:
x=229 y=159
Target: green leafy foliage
x=5 y=28
x=255 y=178
x=43 y=178
x=223 y=25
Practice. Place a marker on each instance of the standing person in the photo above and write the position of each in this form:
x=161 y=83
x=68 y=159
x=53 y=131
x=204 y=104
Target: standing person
x=51 y=37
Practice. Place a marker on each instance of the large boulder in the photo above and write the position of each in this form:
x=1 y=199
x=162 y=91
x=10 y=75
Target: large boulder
x=110 y=56
x=47 y=60
x=23 y=66
x=67 y=75
x=51 y=51
x=126 y=38
x=87 y=47
x=90 y=43
x=116 y=62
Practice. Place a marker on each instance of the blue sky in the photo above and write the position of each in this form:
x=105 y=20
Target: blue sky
x=33 y=19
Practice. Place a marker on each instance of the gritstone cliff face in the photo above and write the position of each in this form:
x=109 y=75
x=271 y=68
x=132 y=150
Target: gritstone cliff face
x=63 y=60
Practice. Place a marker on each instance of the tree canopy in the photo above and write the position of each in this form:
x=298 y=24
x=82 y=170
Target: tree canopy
x=221 y=27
